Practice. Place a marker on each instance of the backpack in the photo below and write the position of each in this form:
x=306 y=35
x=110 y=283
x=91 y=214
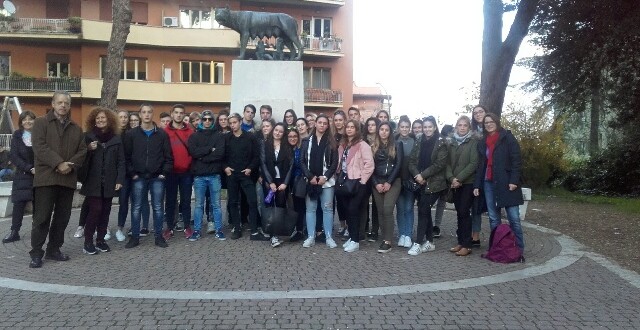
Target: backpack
x=503 y=247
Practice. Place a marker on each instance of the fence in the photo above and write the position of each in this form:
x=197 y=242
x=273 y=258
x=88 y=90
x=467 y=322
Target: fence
x=40 y=84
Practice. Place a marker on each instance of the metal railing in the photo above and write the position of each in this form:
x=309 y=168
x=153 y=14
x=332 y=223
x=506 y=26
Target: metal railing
x=5 y=141
x=330 y=44
x=40 y=84
x=322 y=95
x=37 y=25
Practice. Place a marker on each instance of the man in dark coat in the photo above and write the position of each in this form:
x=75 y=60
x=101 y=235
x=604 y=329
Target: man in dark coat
x=59 y=150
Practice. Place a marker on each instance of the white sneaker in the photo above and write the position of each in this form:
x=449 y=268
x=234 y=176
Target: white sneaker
x=401 y=241
x=345 y=244
x=428 y=246
x=309 y=242
x=275 y=242
x=331 y=243
x=407 y=242
x=353 y=247
x=79 y=232
x=210 y=228
x=346 y=233
x=415 y=249
x=120 y=235
x=107 y=236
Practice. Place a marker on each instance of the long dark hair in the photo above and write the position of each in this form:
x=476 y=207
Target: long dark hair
x=356 y=138
x=390 y=146
x=284 y=143
x=432 y=120
x=328 y=133
x=217 y=126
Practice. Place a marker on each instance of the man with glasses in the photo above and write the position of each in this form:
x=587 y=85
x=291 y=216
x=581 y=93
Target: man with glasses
x=180 y=177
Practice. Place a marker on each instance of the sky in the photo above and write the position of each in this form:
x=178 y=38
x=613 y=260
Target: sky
x=427 y=58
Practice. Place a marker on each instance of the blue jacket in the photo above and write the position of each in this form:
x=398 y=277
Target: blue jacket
x=507 y=168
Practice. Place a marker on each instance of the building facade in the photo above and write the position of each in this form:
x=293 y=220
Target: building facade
x=176 y=53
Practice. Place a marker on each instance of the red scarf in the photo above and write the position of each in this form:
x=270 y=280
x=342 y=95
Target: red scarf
x=491 y=141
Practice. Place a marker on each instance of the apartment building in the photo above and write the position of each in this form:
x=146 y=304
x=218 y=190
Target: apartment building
x=176 y=52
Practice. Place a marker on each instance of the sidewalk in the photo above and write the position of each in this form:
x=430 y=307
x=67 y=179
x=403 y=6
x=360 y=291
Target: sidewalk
x=249 y=285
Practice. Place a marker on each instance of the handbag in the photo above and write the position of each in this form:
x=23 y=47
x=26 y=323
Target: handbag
x=449 y=195
x=411 y=185
x=300 y=186
x=346 y=186
x=278 y=221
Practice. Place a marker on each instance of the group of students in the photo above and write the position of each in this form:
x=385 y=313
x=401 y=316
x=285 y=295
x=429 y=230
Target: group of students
x=321 y=163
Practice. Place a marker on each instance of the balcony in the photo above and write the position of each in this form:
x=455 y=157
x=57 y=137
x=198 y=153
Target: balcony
x=38 y=26
x=155 y=91
x=164 y=36
x=322 y=97
x=331 y=3
x=39 y=84
x=312 y=46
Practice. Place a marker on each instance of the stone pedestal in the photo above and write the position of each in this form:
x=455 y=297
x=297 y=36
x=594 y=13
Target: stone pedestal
x=276 y=83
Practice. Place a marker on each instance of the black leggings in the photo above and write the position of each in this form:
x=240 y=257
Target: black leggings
x=18 y=214
x=353 y=211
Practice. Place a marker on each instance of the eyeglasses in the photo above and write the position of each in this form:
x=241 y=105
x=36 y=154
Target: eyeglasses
x=489 y=122
x=207 y=119
x=292 y=137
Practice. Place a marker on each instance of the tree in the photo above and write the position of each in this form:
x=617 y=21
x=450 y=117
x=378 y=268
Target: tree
x=115 y=53
x=499 y=56
x=590 y=60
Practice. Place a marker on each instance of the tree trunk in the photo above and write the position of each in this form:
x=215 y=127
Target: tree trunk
x=115 y=53
x=596 y=106
x=498 y=56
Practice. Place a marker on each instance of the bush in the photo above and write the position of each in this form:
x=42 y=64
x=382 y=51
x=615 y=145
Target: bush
x=613 y=172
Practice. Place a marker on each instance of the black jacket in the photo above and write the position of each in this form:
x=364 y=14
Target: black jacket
x=330 y=160
x=242 y=152
x=268 y=163
x=387 y=169
x=207 y=147
x=106 y=167
x=147 y=156
x=507 y=166
x=22 y=157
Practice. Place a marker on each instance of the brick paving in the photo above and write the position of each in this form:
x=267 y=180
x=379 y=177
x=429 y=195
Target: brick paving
x=584 y=294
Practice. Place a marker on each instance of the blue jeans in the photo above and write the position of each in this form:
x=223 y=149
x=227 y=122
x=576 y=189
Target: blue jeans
x=404 y=212
x=141 y=188
x=326 y=202
x=513 y=214
x=200 y=185
x=123 y=208
x=173 y=182
x=5 y=172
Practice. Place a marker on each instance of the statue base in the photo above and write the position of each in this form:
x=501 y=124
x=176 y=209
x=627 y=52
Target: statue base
x=276 y=83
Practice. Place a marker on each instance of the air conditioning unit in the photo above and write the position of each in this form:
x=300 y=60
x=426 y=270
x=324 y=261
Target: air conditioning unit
x=170 y=21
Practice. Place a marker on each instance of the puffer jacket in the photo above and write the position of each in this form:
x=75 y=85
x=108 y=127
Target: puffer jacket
x=22 y=157
x=387 y=169
x=434 y=174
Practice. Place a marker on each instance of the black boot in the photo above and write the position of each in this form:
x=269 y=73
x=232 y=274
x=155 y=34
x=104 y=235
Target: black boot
x=11 y=237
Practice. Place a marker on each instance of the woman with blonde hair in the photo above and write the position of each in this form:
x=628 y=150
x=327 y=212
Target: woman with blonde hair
x=461 y=170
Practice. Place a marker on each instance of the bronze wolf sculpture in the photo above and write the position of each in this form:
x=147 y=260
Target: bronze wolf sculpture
x=260 y=24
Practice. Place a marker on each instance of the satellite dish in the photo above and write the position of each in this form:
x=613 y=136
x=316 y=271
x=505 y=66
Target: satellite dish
x=9 y=7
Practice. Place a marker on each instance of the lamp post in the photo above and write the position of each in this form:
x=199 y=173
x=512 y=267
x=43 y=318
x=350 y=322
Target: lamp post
x=387 y=97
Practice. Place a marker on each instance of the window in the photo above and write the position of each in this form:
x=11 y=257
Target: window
x=58 y=66
x=5 y=64
x=317 y=78
x=202 y=72
x=317 y=27
x=132 y=68
x=198 y=19
x=139 y=12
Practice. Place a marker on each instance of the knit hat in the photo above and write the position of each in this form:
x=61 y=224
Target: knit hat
x=207 y=113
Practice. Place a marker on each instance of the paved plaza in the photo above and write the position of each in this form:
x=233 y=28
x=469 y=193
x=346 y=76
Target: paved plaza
x=211 y=284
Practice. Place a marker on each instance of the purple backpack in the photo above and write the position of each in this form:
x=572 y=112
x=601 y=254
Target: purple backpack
x=503 y=247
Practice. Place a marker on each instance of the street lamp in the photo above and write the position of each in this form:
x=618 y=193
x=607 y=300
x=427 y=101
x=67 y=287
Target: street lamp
x=387 y=97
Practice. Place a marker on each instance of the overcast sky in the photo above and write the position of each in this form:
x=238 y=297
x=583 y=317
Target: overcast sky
x=424 y=58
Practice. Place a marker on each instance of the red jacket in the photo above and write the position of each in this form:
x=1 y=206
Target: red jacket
x=178 y=139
